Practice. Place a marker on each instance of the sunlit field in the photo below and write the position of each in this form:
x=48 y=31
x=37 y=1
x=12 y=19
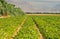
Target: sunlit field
x=16 y=24
x=34 y=27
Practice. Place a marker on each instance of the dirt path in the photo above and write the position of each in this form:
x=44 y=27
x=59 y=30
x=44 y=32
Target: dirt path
x=40 y=35
x=44 y=14
x=4 y=16
x=17 y=30
x=36 y=26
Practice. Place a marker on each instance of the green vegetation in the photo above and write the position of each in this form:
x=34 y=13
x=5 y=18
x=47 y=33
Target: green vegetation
x=28 y=31
x=9 y=9
x=9 y=25
x=49 y=26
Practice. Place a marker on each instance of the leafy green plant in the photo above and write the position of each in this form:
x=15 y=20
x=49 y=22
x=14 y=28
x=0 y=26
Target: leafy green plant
x=9 y=25
x=9 y=9
x=49 y=26
x=28 y=31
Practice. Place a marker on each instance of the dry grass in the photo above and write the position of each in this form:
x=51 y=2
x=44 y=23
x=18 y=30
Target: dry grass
x=44 y=14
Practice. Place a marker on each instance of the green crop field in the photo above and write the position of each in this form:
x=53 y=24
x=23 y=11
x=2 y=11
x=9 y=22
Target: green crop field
x=28 y=31
x=9 y=25
x=15 y=24
x=49 y=26
x=32 y=27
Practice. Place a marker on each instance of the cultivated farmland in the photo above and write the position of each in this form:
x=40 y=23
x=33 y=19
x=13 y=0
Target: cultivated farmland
x=15 y=24
x=9 y=25
x=34 y=27
x=49 y=26
x=28 y=31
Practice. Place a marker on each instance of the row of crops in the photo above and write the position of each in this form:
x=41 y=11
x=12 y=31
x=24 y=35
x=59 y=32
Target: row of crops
x=28 y=31
x=9 y=25
x=49 y=26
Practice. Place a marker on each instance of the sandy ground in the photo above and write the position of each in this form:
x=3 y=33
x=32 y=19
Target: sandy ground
x=4 y=16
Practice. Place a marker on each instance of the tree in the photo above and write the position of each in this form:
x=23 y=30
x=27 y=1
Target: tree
x=6 y=9
x=3 y=10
